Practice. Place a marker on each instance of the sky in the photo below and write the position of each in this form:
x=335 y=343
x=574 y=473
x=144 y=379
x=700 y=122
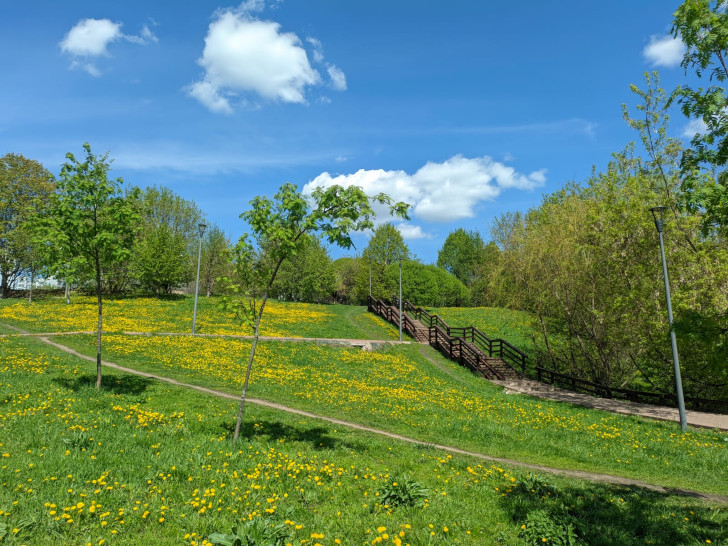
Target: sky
x=464 y=109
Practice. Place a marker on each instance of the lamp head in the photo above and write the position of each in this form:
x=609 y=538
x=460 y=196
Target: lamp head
x=657 y=214
x=201 y=229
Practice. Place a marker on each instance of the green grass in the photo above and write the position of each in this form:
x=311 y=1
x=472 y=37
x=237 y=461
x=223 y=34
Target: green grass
x=174 y=314
x=399 y=390
x=136 y=463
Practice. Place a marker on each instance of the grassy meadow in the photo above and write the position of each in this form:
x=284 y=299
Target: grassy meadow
x=141 y=461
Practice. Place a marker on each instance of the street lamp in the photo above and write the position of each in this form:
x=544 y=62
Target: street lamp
x=370 y=277
x=400 y=299
x=201 y=231
x=657 y=214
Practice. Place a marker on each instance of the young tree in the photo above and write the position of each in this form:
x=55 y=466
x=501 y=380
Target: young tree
x=26 y=188
x=462 y=255
x=94 y=222
x=279 y=226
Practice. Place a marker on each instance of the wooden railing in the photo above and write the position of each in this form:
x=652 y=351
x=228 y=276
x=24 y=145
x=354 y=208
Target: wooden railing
x=662 y=399
x=451 y=340
x=498 y=348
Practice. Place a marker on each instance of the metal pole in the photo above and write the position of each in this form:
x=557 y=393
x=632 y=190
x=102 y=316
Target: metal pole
x=673 y=341
x=197 y=284
x=370 y=278
x=400 y=300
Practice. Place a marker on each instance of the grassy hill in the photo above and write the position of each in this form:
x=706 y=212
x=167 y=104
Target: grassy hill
x=157 y=463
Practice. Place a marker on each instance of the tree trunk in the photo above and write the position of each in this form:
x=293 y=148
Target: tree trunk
x=68 y=294
x=98 y=332
x=244 y=395
x=5 y=287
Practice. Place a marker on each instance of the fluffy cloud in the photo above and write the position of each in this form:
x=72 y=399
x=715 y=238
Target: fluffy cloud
x=410 y=231
x=90 y=38
x=246 y=55
x=664 y=51
x=694 y=127
x=439 y=192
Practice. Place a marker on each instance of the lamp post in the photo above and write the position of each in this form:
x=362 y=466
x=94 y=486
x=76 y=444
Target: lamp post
x=201 y=231
x=400 y=299
x=657 y=215
x=370 y=277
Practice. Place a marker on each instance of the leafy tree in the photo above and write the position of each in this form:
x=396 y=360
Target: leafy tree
x=426 y=285
x=215 y=259
x=308 y=276
x=702 y=25
x=26 y=188
x=386 y=246
x=346 y=271
x=165 y=253
x=279 y=227
x=93 y=221
x=462 y=254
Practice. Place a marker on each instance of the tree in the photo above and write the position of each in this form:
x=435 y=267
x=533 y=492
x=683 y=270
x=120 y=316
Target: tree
x=346 y=270
x=308 y=276
x=462 y=254
x=26 y=188
x=93 y=221
x=386 y=246
x=165 y=253
x=215 y=261
x=279 y=226
x=702 y=25
x=427 y=285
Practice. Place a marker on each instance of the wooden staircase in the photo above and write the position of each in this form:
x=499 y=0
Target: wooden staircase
x=468 y=346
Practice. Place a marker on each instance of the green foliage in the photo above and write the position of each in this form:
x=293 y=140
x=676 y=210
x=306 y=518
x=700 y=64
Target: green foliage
x=463 y=255
x=26 y=189
x=346 y=271
x=425 y=285
x=702 y=25
x=403 y=491
x=308 y=276
x=256 y=532
x=215 y=261
x=93 y=223
x=586 y=263
x=540 y=527
x=166 y=247
x=386 y=246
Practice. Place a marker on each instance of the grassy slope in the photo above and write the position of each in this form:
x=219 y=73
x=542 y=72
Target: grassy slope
x=51 y=314
x=399 y=390
x=141 y=462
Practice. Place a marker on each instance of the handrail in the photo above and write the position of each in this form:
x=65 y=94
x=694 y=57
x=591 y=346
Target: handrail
x=576 y=384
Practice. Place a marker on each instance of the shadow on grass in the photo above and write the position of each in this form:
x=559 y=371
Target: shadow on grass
x=608 y=515
x=124 y=384
x=317 y=437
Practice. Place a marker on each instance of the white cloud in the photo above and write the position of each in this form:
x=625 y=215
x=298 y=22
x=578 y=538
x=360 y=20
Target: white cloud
x=338 y=78
x=664 y=51
x=248 y=55
x=410 y=231
x=438 y=192
x=90 y=38
x=694 y=127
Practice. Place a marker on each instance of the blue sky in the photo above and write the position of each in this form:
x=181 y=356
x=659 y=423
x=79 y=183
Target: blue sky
x=466 y=109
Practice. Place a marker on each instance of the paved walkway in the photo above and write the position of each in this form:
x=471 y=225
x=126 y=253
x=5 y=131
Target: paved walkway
x=542 y=390
x=578 y=474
